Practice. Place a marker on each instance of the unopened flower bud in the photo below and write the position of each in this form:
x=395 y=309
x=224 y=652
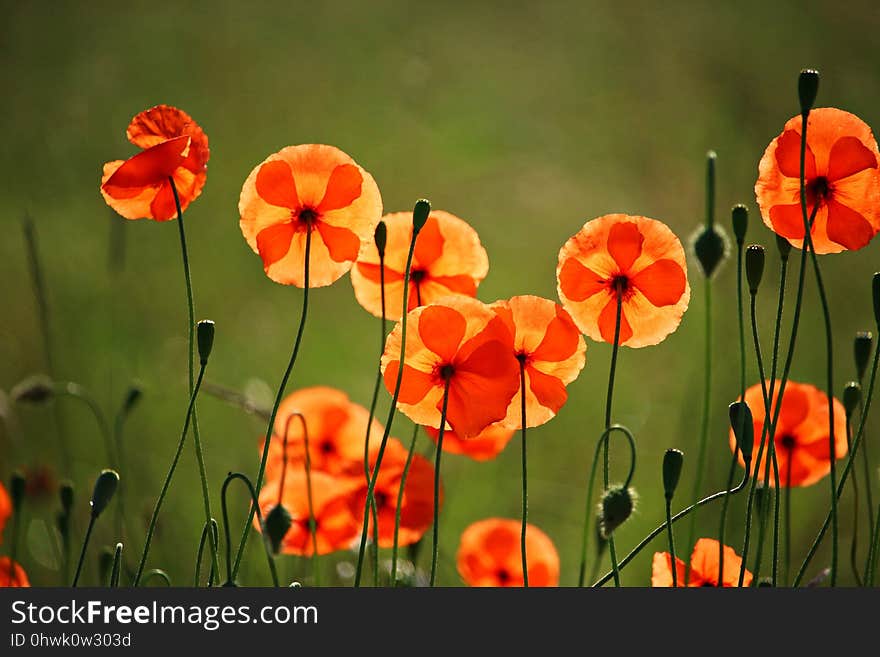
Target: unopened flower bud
x=616 y=506
x=35 y=389
x=278 y=521
x=710 y=247
x=17 y=487
x=784 y=247
x=808 y=87
x=132 y=397
x=420 y=214
x=672 y=462
x=740 y=220
x=205 y=338
x=380 y=237
x=105 y=487
x=852 y=395
x=862 y=352
x=743 y=428
x=754 y=266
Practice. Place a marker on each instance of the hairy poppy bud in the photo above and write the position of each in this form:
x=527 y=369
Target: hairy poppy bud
x=17 y=486
x=740 y=220
x=380 y=237
x=65 y=492
x=808 y=87
x=710 y=247
x=852 y=395
x=132 y=397
x=862 y=351
x=672 y=462
x=876 y=291
x=205 y=338
x=35 y=389
x=754 y=266
x=784 y=247
x=616 y=506
x=420 y=214
x=743 y=428
x=105 y=487
x=278 y=521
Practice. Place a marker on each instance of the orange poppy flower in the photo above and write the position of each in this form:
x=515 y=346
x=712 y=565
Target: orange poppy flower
x=337 y=527
x=489 y=555
x=841 y=175
x=337 y=428
x=417 y=511
x=704 y=567
x=305 y=188
x=5 y=509
x=636 y=259
x=448 y=259
x=801 y=432
x=461 y=341
x=485 y=446
x=552 y=350
x=174 y=146
x=12 y=575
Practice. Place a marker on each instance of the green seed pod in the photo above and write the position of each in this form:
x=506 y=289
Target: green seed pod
x=852 y=395
x=743 y=428
x=380 y=237
x=673 y=459
x=17 y=486
x=754 y=266
x=278 y=521
x=420 y=214
x=784 y=247
x=616 y=506
x=808 y=87
x=710 y=247
x=740 y=220
x=205 y=338
x=862 y=352
x=34 y=389
x=105 y=487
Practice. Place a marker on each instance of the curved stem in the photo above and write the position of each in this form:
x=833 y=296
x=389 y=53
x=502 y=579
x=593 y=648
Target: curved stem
x=525 y=490
x=197 y=440
x=79 y=392
x=436 y=535
x=155 y=517
x=157 y=572
x=854 y=542
x=255 y=505
x=212 y=527
x=82 y=554
x=873 y=552
x=398 y=507
x=612 y=552
x=270 y=429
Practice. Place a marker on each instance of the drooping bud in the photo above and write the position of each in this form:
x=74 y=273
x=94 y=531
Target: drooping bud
x=380 y=237
x=105 y=487
x=34 y=389
x=278 y=521
x=862 y=352
x=784 y=247
x=616 y=506
x=852 y=395
x=17 y=487
x=205 y=339
x=420 y=214
x=754 y=266
x=808 y=87
x=673 y=459
x=743 y=428
x=740 y=220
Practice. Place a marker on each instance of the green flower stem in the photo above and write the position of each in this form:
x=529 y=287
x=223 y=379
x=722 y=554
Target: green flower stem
x=608 y=397
x=155 y=517
x=399 y=506
x=854 y=542
x=525 y=490
x=13 y=551
x=436 y=534
x=391 y=411
x=200 y=457
x=313 y=523
x=157 y=572
x=212 y=527
x=787 y=522
x=255 y=506
x=671 y=536
x=117 y=563
x=76 y=391
x=873 y=552
x=82 y=554
x=270 y=429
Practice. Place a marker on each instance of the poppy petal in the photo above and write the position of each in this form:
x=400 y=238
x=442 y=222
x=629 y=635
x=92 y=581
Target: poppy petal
x=273 y=242
x=342 y=244
x=343 y=188
x=849 y=156
x=441 y=330
x=462 y=284
x=788 y=221
x=847 y=227
x=788 y=156
x=625 y=244
x=276 y=186
x=373 y=273
x=561 y=339
x=429 y=243
x=163 y=206
x=414 y=385
x=608 y=322
x=578 y=282
x=661 y=570
x=662 y=282
x=150 y=167
x=549 y=391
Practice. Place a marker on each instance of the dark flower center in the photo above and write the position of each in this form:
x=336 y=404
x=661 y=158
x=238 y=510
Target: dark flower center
x=523 y=358
x=307 y=216
x=417 y=275
x=381 y=499
x=818 y=190
x=327 y=447
x=503 y=576
x=788 y=442
x=446 y=371
x=620 y=285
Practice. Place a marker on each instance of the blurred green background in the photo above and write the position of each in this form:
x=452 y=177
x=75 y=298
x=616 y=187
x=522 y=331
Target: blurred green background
x=526 y=119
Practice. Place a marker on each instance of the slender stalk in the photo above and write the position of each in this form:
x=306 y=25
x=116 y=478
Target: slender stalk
x=873 y=552
x=13 y=552
x=436 y=535
x=212 y=527
x=854 y=542
x=787 y=521
x=117 y=563
x=671 y=536
x=398 y=507
x=270 y=429
x=313 y=523
x=763 y=517
x=255 y=505
x=525 y=490
x=612 y=552
x=200 y=457
x=155 y=517
x=82 y=554
x=79 y=392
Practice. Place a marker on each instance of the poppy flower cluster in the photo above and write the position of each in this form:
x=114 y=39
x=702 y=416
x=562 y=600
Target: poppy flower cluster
x=704 y=567
x=489 y=555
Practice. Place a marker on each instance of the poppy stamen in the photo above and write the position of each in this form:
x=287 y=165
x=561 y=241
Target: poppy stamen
x=308 y=216
x=620 y=285
x=417 y=275
x=787 y=442
x=818 y=190
x=446 y=371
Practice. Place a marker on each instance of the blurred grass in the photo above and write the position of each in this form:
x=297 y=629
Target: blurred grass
x=525 y=119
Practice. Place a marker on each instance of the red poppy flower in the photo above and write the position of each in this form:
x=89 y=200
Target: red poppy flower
x=485 y=446
x=305 y=188
x=448 y=259
x=704 y=567
x=174 y=146
x=552 y=350
x=801 y=432
x=635 y=259
x=461 y=341
x=841 y=175
x=12 y=575
x=5 y=509
x=417 y=510
x=336 y=525
x=337 y=428
x=489 y=555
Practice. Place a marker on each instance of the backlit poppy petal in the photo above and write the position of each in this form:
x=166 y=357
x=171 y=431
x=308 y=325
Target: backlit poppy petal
x=343 y=188
x=429 y=244
x=608 y=323
x=704 y=564
x=414 y=385
x=788 y=220
x=276 y=185
x=849 y=156
x=131 y=203
x=487 y=369
x=164 y=122
x=442 y=329
x=12 y=575
x=489 y=555
x=788 y=155
x=560 y=340
x=150 y=167
x=548 y=390
x=273 y=243
x=5 y=510
x=662 y=282
x=661 y=570
x=342 y=244
x=847 y=227
x=579 y=283
x=625 y=244
x=163 y=207
x=485 y=446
